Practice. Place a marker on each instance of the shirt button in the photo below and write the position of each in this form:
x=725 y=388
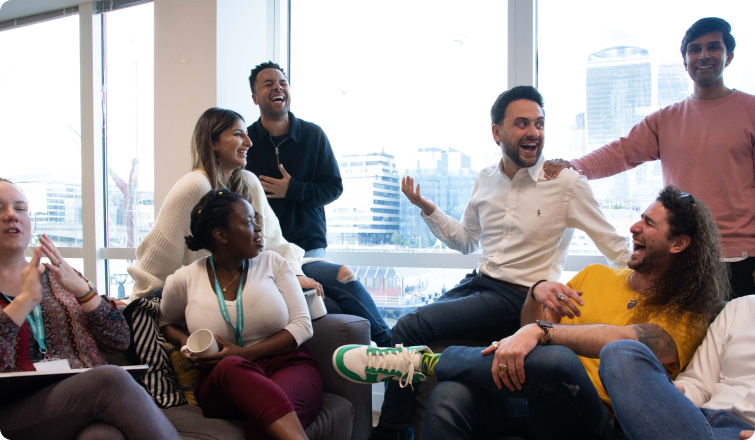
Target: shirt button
x=498 y=255
x=509 y=211
x=513 y=186
x=748 y=405
x=506 y=234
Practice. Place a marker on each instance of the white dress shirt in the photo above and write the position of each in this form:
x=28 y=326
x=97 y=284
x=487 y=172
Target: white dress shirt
x=525 y=224
x=721 y=375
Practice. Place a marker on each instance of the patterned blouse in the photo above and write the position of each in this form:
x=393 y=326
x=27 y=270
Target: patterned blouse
x=69 y=332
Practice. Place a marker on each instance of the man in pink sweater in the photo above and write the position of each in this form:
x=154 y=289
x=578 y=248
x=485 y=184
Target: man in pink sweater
x=706 y=145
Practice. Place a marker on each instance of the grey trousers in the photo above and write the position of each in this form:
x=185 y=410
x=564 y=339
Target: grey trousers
x=104 y=403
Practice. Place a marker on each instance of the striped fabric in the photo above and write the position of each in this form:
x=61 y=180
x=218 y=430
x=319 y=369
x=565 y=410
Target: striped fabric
x=148 y=345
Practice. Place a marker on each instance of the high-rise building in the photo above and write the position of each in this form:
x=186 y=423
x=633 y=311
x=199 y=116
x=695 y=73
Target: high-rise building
x=445 y=177
x=367 y=213
x=673 y=84
x=619 y=94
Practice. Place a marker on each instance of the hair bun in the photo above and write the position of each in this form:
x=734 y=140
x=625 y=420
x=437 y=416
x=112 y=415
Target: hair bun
x=192 y=243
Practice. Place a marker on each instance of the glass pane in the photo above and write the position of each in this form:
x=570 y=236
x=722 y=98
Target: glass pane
x=121 y=284
x=399 y=88
x=600 y=74
x=130 y=124
x=40 y=124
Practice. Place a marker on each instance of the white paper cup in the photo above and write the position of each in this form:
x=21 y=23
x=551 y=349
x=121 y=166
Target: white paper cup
x=200 y=343
x=316 y=304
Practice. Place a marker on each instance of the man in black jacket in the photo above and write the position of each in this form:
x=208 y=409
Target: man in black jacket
x=293 y=161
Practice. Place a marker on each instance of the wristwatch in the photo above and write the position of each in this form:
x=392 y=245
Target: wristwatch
x=547 y=327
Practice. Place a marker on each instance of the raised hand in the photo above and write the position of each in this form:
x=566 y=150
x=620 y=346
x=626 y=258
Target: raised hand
x=414 y=196
x=276 y=188
x=64 y=274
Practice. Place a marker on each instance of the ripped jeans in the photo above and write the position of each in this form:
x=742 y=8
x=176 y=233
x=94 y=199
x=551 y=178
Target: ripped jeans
x=350 y=298
x=557 y=400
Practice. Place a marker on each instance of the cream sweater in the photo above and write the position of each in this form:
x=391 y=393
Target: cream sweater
x=164 y=250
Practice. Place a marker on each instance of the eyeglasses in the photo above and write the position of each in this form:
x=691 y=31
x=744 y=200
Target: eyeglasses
x=687 y=196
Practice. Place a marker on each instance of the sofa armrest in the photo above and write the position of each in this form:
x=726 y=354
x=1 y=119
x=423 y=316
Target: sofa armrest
x=330 y=332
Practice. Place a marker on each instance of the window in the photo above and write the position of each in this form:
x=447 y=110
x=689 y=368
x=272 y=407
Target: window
x=40 y=124
x=129 y=67
x=399 y=93
x=618 y=72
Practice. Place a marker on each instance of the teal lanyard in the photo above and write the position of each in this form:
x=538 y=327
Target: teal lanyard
x=37 y=328
x=237 y=329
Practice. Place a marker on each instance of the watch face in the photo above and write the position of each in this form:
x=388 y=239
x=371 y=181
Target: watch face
x=544 y=323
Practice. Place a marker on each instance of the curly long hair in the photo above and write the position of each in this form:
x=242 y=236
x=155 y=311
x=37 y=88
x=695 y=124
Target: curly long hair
x=698 y=282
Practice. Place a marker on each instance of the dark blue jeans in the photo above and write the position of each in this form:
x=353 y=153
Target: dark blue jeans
x=649 y=406
x=557 y=400
x=477 y=309
x=350 y=298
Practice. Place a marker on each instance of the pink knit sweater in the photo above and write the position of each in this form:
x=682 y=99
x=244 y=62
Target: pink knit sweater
x=707 y=148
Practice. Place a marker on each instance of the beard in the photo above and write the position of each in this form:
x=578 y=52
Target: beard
x=652 y=258
x=512 y=152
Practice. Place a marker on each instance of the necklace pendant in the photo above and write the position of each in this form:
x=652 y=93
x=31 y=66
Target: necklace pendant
x=226 y=288
x=631 y=304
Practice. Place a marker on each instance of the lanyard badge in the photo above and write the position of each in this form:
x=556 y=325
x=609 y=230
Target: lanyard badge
x=239 y=327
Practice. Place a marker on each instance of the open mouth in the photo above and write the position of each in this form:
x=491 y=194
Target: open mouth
x=704 y=67
x=278 y=99
x=258 y=240
x=530 y=147
x=638 y=245
x=12 y=231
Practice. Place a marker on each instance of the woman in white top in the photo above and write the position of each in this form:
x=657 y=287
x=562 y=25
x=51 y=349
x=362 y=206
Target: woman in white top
x=219 y=147
x=254 y=305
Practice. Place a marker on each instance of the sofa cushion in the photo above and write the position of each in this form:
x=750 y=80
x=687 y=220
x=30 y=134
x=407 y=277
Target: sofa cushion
x=333 y=422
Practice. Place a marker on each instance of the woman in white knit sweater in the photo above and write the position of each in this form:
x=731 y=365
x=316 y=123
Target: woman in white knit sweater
x=218 y=165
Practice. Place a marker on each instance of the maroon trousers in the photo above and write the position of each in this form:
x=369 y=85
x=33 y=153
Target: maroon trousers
x=263 y=391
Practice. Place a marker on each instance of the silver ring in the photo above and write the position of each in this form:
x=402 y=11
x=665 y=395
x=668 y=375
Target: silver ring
x=494 y=344
x=560 y=296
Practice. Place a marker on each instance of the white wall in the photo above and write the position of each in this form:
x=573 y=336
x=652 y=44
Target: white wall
x=204 y=52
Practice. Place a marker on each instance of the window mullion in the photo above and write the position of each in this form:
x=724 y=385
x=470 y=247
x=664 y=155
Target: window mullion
x=92 y=160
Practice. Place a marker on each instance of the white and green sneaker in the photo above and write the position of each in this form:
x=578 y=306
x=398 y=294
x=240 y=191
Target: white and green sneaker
x=364 y=364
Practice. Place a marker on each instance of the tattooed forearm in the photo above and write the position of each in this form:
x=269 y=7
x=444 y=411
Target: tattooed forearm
x=658 y=341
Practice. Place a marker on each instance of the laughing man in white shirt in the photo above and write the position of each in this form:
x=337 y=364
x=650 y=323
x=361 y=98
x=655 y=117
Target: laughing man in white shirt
x=524 y=224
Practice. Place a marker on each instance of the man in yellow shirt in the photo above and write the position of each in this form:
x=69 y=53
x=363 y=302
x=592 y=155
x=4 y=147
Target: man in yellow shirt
x=545 y=380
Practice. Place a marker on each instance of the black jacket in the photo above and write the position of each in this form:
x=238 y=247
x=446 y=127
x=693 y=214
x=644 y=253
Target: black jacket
x=315 y=179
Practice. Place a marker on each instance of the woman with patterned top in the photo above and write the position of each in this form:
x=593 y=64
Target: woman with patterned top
x=51 y=313
x=254 y=305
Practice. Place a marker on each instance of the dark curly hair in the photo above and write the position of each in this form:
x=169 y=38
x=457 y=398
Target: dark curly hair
x=498 y=110
x=212 y=212
x=259 y=68
x=705 y=26
x=698 y=282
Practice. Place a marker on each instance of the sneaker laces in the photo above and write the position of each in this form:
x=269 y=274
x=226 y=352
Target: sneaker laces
x=401 y=361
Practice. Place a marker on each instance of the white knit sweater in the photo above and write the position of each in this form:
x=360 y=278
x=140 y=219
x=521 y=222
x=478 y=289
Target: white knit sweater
x=164 y=250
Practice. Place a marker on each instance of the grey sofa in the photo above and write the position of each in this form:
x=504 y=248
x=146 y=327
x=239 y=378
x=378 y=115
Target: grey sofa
x=347 y=407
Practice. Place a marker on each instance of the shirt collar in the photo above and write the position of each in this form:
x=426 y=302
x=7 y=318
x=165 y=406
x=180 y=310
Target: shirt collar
x=534 y=170
x=294 y=128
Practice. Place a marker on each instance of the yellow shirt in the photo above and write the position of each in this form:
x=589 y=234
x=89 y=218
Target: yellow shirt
x=606 y=293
